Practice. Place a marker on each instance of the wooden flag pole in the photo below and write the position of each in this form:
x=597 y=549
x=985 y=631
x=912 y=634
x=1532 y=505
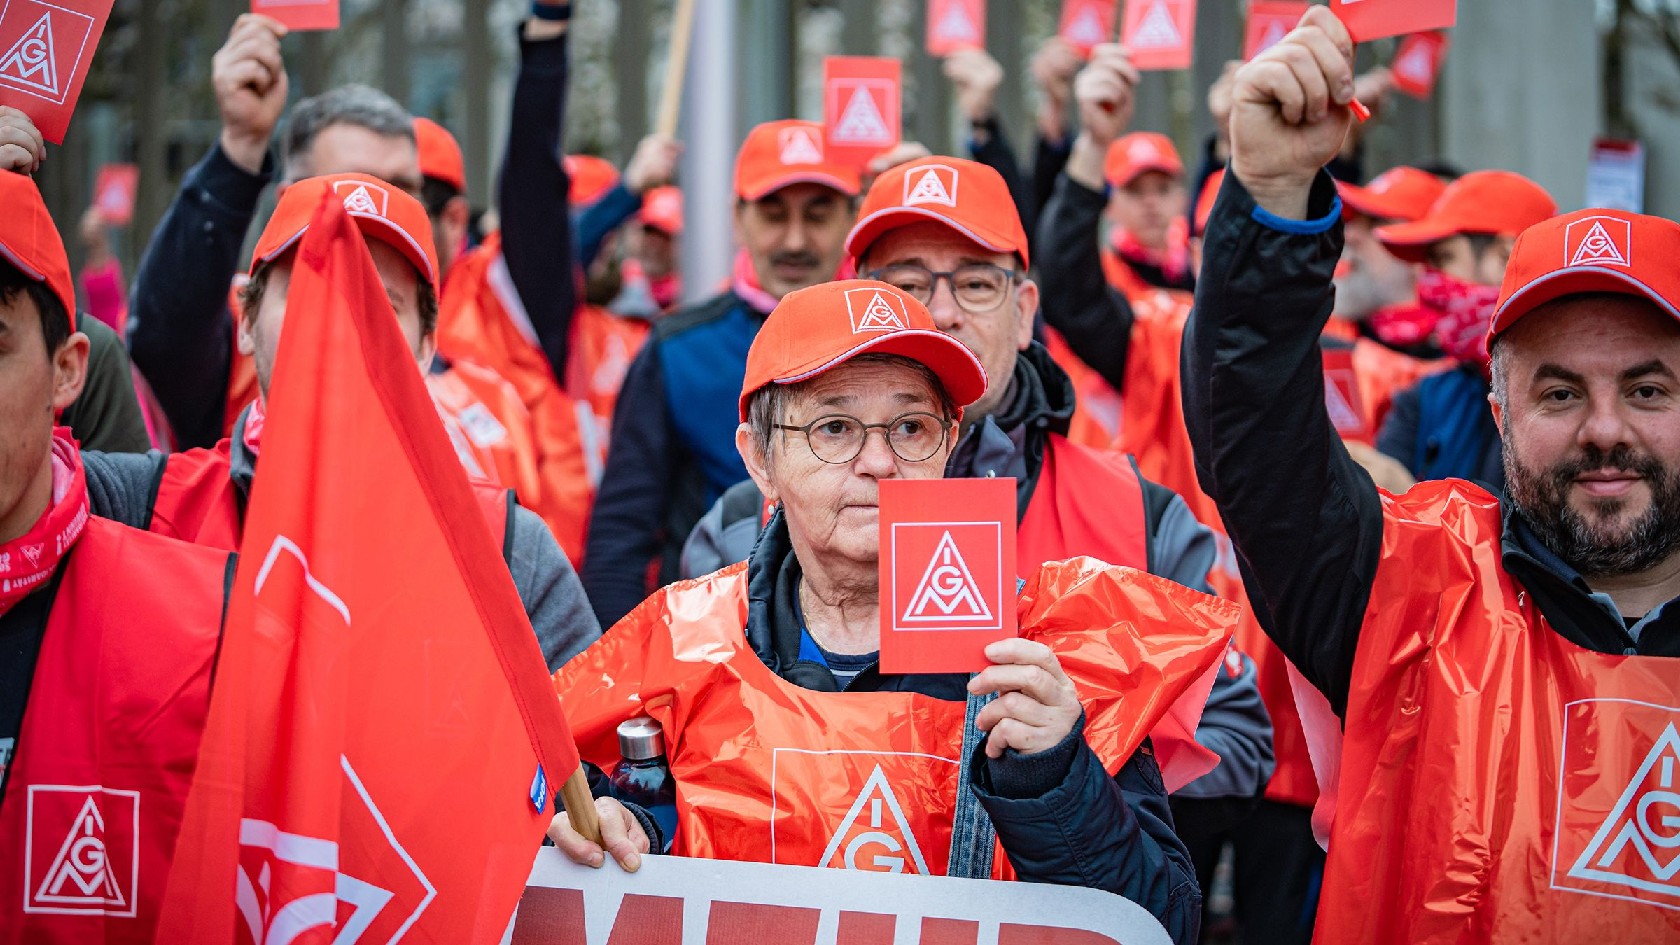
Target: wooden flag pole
x=676 y=69
x=580 y=806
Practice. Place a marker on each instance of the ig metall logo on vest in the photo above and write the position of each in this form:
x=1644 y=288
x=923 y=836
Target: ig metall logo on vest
x=81 y=850
x=1618 y=821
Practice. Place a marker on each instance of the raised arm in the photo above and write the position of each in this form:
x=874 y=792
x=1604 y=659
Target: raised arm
x=1305 y=519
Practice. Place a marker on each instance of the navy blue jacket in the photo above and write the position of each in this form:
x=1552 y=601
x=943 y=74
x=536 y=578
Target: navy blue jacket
x=673 y=449
x=1441 y=428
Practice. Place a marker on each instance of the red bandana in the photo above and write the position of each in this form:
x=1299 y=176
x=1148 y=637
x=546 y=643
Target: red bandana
x=28 y=561
x=1465 y=314
x=1401 y=326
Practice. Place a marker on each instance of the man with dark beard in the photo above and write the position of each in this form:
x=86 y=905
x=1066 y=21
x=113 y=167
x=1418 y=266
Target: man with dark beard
x=1504 y=669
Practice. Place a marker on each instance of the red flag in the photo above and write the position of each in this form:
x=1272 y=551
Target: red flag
x=947 y=572
x=383 y=735
x=1269 y=21
x=954 y=25
x=1160 y=34
x=1086 y=23
x=1417 y=63
x=860 y=107
x=1341 y=396
x=300 y=14
x=45 y=52
x=1378 y=19
x=114 y=191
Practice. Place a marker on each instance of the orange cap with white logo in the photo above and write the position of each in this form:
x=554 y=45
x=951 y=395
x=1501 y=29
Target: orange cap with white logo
x=968 y=197
x=1594 y=250
x=30 y=241
x=440 y=154
x=1492 y=203
x=1399 y=193
x=380 y=210
x=1138 y=153
x=778 y=154
x=819 y=328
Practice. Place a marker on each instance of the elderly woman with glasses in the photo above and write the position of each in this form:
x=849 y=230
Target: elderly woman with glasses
x=788 y=743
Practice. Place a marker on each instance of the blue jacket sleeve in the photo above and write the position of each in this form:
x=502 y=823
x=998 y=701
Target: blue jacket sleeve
x=634 y=499
x=536 y=224
x=600 y=218
x=1114 y=834
x=1399 y=435
x=1074 y=294
x=180 y=333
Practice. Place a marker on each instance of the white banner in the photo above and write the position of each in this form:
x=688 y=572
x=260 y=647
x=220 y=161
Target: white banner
x=706 y=902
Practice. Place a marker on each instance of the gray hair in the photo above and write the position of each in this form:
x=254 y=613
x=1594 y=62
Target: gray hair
x=768 y=405
x=354 y=104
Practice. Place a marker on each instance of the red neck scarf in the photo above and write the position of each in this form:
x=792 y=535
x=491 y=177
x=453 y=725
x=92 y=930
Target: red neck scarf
x=28 y=561
x=1401 y=326
x=1174 y=261
x=255 y=418
x=1465 y=313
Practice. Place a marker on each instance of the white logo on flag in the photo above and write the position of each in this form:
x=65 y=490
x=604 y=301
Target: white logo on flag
x=360 y=197
x=799 y=146
x=1599 y=245
x=1645 y=820
x=861 y=121
x=1417 y=65
x=947 y=589
x=1087 y=28
x=1275 y=32
x=956 y=25
x=85 y=874
x=1158 y=30
x=936 y=184
x=896 y=838
x=873 y=310
x=32 y=61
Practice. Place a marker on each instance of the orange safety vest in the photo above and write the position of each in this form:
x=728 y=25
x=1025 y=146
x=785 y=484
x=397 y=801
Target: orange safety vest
x=477 y=324
x=602 y=347
x=489 y=427
x=770 y=772
x=1383 y=372
x=1498 y=784
x=109 y=740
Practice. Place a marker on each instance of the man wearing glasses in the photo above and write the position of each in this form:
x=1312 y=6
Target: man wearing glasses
x=946 y=232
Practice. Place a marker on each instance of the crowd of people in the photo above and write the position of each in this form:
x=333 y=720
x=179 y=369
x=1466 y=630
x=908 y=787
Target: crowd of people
x=1339 y=494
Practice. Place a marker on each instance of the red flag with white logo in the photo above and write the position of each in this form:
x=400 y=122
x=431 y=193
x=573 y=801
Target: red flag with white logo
x=114 y=191
x=383 y=740
x=45 y=52
x=1418 y=62
x=1269 y=21
x=1342 y=399
x=947 y=572
x=1087 y=23
x=300 y=14
x=1160 y=34
x=954 y=25
x=1379 y=19
x=860 y=107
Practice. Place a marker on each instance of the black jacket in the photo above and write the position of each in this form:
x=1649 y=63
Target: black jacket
x=1305 y=519
x=1059 y=815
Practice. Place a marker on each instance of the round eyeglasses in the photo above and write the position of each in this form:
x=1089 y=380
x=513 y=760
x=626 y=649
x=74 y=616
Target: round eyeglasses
x=838 y=438
x=977 y=287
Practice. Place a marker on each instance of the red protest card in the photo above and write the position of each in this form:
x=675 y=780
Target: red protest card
x=300 y=14
x=860 y=107
x=48 y=48
x=1378 y=19
x=1342 y=398
x=1417 y=63
x=954 y=25
x=1269 y=21
x=947 y=572
x=1087 y=23
x=114 y=191
x=1160 y=34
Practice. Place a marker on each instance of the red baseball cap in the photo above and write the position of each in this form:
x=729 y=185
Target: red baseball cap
x=382 y=211
x=1138 y=152
x=970 y=198
x=1494 y=203
x=591 y=177
x=1205 y=201
x=1399 y=193
x=779 y=153
x=1593 y=250
x=819 y=328
x=440 y=155
x=662 y=209
x=30 y=241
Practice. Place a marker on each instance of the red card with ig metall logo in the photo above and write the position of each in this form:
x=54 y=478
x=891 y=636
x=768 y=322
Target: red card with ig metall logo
x=300 y=14
x=861 y=107
x=1087 y=23
x=1379 y=19
x=954 y=25
x=947 y=572
x=45 y=52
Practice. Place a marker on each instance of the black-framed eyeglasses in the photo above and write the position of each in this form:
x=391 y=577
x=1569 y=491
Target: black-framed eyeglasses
x=977 y=287
x=838 y=438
